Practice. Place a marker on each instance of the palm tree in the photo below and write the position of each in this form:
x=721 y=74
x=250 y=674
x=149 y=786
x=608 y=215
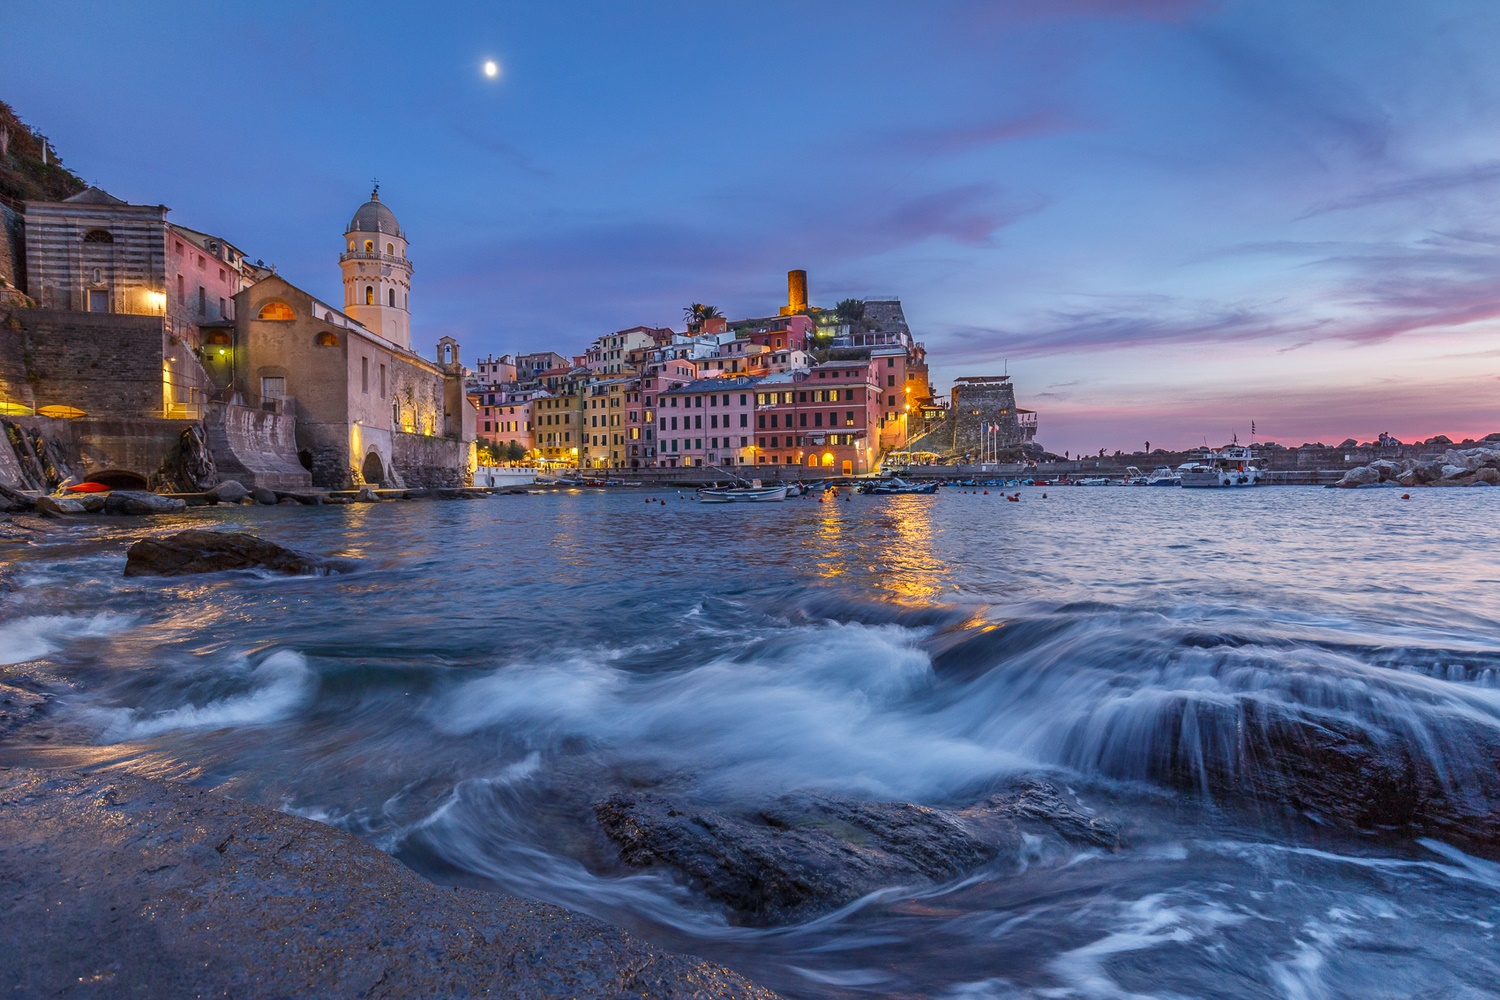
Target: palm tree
x=696 y=313
x=851 y=310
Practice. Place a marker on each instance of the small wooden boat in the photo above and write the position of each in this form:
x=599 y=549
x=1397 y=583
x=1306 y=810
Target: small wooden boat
x=754 y=493
x=898 y=487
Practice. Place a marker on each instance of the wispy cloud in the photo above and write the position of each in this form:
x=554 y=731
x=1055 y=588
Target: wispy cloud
x=1425 y=186
x=966 y=136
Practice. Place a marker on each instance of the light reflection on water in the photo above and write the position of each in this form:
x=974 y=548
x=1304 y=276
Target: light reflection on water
x=491 y=653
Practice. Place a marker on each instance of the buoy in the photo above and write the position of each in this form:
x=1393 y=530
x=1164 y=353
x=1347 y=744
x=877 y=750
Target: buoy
x=986 y=492
x=1044 y=496
x=1406 y=496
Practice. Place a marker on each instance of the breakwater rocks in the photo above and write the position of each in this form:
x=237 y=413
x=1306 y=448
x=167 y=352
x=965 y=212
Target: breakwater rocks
x=125 y=886
x=197 y=551
x=1465 y=467
x=801 y=855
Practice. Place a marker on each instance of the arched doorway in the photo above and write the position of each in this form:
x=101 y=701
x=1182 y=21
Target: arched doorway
x=119 y=479
x=373 y=471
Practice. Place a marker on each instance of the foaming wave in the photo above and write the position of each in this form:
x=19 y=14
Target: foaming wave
x=33 y=638
x=831 y=705
x=278 y=686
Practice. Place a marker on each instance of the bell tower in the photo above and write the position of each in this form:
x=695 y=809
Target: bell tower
x=377 y=273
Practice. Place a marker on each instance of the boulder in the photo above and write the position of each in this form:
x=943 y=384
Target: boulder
x=197 y=551
x=1452 y=471
x=228 y=491
x=1385 y=469
x=93 y=503
x=262 y=495
x=14 y=500
x=366 y=495
x=286 y=501
x=797 y=856
x=60 y=505
x=306 y=499
x=1364 y=475
x=1488 y=476
x=135 y=502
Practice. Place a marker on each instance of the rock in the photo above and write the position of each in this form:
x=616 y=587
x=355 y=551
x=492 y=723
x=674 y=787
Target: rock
x=247 y=502
x=286 y=501
x=197 y=551
x=366 y=495
x=228 y=491
x=60 y=505
x=337 y=501
x=1364 y=475
x=306 y=499
x=92 y=503
x=134 y=502
x=1385 y=469
x=1451 y=471
x=121 y=886
x=795 y=857
x=262 y=495
x=15 y=500
x=17 y=707
x=1488 y=476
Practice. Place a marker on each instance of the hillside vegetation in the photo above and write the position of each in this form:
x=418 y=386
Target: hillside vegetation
x=23 y=175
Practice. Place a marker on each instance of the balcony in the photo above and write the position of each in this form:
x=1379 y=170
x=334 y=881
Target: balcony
x=380 y=258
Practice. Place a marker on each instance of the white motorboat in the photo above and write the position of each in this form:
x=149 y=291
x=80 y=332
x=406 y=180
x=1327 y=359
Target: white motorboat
x=1226 y=467
x=1163 y=475
x=754 y=493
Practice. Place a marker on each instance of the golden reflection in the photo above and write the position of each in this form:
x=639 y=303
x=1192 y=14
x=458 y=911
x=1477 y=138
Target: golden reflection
x=832 y=550
x=915 y=575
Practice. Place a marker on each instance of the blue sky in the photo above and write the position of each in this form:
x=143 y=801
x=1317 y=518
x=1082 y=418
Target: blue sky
x=1169 y=217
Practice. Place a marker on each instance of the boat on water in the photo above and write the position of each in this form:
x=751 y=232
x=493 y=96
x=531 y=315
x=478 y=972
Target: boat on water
x=495 y=475
x=1094 y=481
x=754 y=493
x=896 y=486
x=1163 y=475
x=1225 y=467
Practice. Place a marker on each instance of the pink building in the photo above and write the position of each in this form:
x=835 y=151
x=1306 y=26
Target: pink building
x=826 y=418
x=504 y=418
x=707 y=422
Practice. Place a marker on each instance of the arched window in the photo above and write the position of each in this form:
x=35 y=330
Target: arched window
x=275 y=310
x=406 y=302
x=369 y=246
x=390 y=248
x=393 y=297
x=369 y=295
x=351 y=246
x=98 y=236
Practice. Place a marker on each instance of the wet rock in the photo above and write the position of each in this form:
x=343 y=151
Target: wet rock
x=14 y=500
x=60 y=505
x=228 y=491
x=1362 y=476
x=1354 y=774
x=366 y=495
x=118 y=886
x=262 y=495
x=197 y=551
x=795 y=857
x=306 y=499
x=134 y=502
x=18 y=707
x=92 y=503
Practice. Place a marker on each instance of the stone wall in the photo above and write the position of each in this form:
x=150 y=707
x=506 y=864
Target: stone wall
x=255 y=447
x=424 y=462
x=11 y=261
x=101 y=363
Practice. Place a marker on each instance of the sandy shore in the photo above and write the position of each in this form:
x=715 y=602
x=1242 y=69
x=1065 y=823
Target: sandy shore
x=123 y=886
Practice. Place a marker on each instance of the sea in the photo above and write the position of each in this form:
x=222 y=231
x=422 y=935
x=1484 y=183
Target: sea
x=485 y=660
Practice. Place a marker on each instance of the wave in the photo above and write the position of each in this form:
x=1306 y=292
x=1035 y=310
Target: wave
x=35 y=637
x=278 y=686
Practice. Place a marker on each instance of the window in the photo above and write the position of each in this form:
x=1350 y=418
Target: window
x=364 y=374
x=102 y=236
x=890 y=401
x=818 y=419
x=326 y=339
x=390 y=248
x=369 y=295
x=744 y=420
x=849 y=419
x=849 y=395
x=202 y=301
x=393 y=298
x=271 y=310
x=890 y=362
x=890 y=380
x=382 y=381
x=762 y=421
x=742 y=402
x=273 y=387
x=801 y=420
x=369 y=246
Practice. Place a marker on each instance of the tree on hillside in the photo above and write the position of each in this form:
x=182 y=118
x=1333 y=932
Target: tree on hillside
x=696 y=313
x=851 y=310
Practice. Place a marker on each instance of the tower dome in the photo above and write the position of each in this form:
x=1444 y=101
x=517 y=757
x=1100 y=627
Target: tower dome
x=374 y=217
x=377 y=272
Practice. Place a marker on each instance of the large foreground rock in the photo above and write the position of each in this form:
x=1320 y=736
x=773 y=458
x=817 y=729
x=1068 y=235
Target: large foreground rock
x=197 y=551
x=795 y=857
x=118 y=886
x=135 y=502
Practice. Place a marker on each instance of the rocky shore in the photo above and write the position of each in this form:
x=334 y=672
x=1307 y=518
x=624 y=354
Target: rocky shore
x=124 y=886
x=1458 y=467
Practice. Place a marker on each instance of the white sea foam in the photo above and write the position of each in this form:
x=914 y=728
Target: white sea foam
x=35 y=637
x=831 y=706
x=279 y=685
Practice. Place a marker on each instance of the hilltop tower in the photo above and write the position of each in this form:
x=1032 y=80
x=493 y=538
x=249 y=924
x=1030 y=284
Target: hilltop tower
x=377 y=273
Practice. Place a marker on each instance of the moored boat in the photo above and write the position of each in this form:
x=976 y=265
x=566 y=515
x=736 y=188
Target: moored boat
x=754 y=493
x=1163 y=475
x=1227 y=467
x=896 y=486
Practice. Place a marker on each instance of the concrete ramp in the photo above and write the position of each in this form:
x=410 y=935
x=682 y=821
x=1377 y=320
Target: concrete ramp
x=255 y=447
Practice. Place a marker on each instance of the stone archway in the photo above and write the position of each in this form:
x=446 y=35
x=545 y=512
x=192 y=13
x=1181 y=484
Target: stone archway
x=373 y=471
x=119 y=479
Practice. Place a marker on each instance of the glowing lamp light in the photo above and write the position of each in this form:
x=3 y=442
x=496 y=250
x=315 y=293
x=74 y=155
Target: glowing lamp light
x=158 y=300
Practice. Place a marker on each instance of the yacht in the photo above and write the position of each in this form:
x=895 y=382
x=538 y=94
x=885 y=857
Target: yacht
x=1163 y=475
x=1230 y=466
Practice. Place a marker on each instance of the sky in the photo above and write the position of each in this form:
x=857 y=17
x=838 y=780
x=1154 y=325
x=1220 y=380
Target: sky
x=1163 y=218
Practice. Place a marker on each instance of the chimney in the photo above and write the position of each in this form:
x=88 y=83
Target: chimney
x=796 y=292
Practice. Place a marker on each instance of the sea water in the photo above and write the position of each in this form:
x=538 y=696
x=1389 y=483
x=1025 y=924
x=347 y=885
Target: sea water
x=492 y=666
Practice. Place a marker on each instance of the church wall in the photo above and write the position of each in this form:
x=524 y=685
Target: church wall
x=102 y=363
x=425 y=462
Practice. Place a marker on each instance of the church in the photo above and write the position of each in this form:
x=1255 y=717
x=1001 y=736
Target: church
x=366 y=407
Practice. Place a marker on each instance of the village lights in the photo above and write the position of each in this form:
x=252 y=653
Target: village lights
x=158 y=300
